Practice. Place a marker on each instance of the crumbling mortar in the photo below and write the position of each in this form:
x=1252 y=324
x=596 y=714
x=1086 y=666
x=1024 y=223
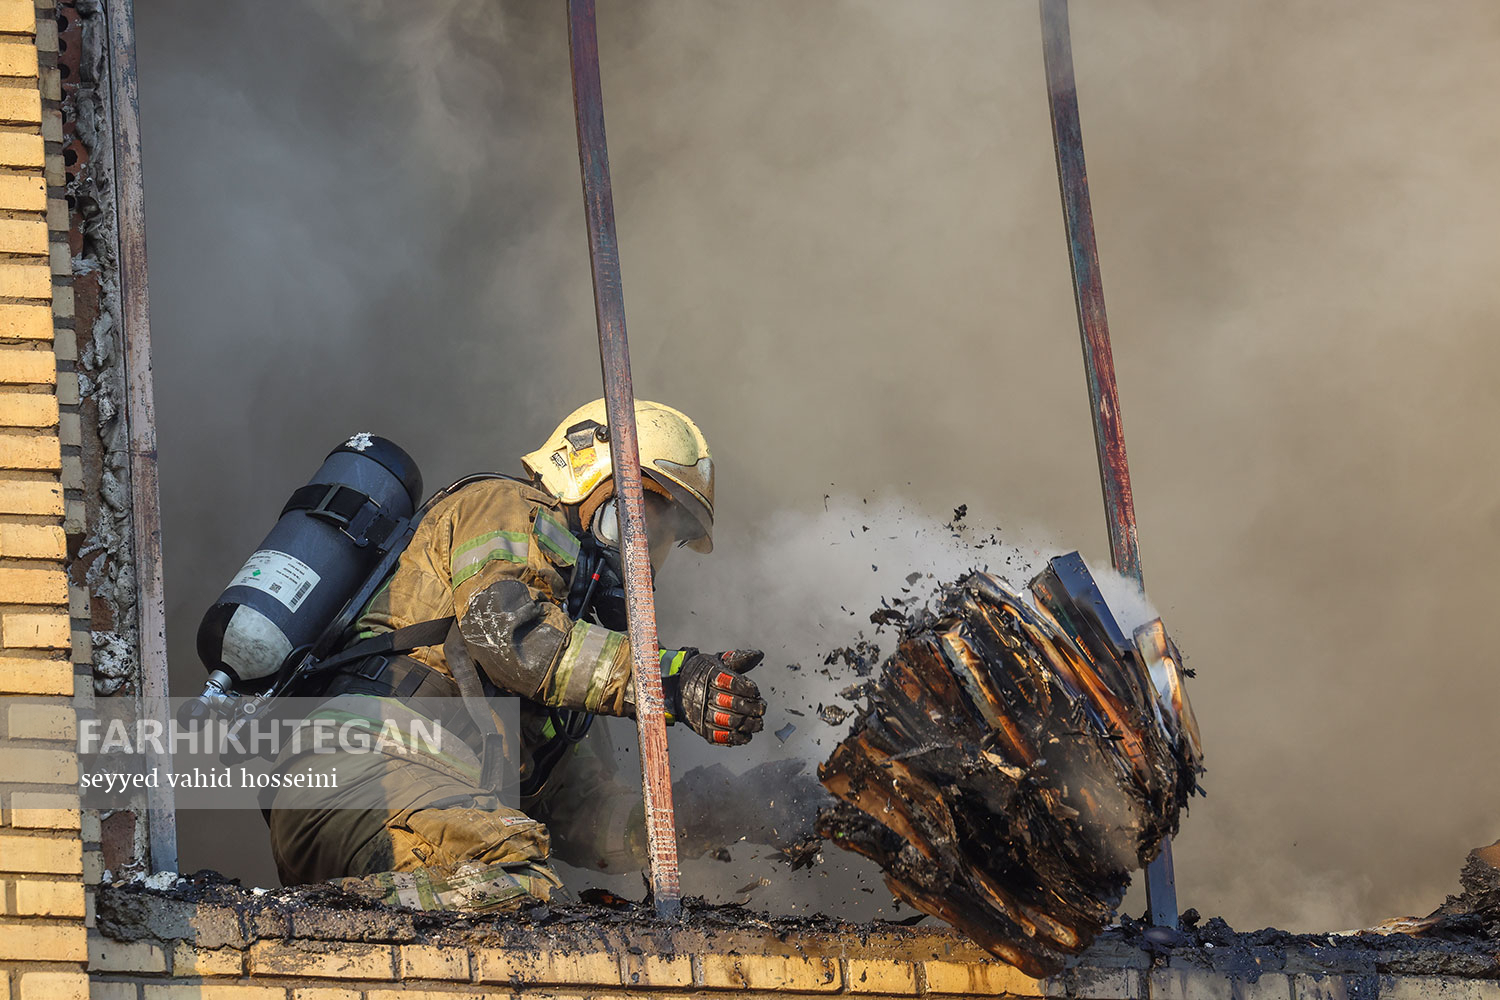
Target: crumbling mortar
x=101 y=377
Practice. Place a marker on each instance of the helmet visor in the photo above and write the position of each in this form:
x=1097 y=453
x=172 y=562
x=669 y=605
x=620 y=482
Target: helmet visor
x=667 y=525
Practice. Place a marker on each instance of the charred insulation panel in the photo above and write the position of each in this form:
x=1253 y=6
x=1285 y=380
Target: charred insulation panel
x=1013 y=767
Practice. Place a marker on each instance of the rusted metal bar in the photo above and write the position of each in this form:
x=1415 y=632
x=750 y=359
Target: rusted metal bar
x=614 y=359
x=1098 y=361
x=140 y=413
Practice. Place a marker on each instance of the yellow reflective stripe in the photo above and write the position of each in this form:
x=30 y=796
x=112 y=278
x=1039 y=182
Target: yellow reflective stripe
x=585 y=668
x=606 y=662
x=554 y=537
x=468 y=558
x=569 y=663
x=590 y=648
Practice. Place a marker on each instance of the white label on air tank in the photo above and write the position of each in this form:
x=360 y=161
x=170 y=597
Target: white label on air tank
x=284 y=577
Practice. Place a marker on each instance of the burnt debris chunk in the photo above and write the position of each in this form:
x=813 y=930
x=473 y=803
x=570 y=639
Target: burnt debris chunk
x=1015 y=763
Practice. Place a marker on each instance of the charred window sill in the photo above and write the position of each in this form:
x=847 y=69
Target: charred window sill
x=206 y=929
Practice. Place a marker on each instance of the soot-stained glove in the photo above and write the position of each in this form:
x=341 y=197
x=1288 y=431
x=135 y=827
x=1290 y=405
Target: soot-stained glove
x=710 y=693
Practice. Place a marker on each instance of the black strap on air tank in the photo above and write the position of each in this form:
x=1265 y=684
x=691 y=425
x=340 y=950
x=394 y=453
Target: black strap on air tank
x=347 y=509
x=401 y=640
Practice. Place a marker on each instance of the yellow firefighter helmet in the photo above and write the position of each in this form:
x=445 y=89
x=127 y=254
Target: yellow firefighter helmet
x=575 y=462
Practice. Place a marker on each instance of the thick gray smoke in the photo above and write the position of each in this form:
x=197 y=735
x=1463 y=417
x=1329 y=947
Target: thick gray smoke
x=843 y=253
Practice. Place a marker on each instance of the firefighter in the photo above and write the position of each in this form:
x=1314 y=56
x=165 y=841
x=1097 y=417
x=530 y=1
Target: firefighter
x=530 y=571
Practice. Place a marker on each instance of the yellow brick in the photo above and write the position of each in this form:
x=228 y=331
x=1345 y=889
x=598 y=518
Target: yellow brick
x=43 y=497
x=25 y=281
x=19 y=366
x=324 y=961
x=980 y=977
x=594 y=968
x=28 y=409
x=38 y=631
x=214 y=991
x=17 y=59
x=770 y=972
x=43 y=767
x=23 y=192
x=17 y=16
x=50 y=899
x=35 y=677
x=333 y=993
x=188 y=960
x=421 y=961
x=22 y=149
x=23 y=235
x=55 y=986
x=657 y=971
x=26 y=322
x=33 y=586
x=446 y=995
x=24 y=451
x=45 y=810
x=42 y=722
x=107 y=955
x=30 y=941
x=21 y=104
x=867 y=975
x=31 y=541
x=53 y=855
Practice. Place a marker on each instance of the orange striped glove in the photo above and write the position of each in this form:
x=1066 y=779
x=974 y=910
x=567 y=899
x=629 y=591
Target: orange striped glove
x=710 y=693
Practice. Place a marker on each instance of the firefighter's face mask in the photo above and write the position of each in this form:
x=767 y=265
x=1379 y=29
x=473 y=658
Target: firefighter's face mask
x=667 y=525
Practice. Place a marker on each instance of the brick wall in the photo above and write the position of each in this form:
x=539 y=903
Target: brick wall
x=43 y=861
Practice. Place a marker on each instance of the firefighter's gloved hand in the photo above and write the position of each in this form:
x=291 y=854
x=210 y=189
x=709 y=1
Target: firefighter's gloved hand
x=710 y=693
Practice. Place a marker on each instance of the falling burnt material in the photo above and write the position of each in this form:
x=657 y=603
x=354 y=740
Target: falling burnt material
x=1015 y=764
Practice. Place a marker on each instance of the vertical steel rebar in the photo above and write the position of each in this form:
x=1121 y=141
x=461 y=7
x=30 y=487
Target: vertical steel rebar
x=614 y=359
x=1098 y=360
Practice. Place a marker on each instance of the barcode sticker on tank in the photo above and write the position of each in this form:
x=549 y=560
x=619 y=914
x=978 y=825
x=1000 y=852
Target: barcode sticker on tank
x=284 y=577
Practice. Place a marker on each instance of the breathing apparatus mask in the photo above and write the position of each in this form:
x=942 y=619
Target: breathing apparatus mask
x=597 y=589
x=667 y=525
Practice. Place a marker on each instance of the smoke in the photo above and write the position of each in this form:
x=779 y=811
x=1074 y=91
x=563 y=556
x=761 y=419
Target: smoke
x=803 y=588
x=842 y=253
